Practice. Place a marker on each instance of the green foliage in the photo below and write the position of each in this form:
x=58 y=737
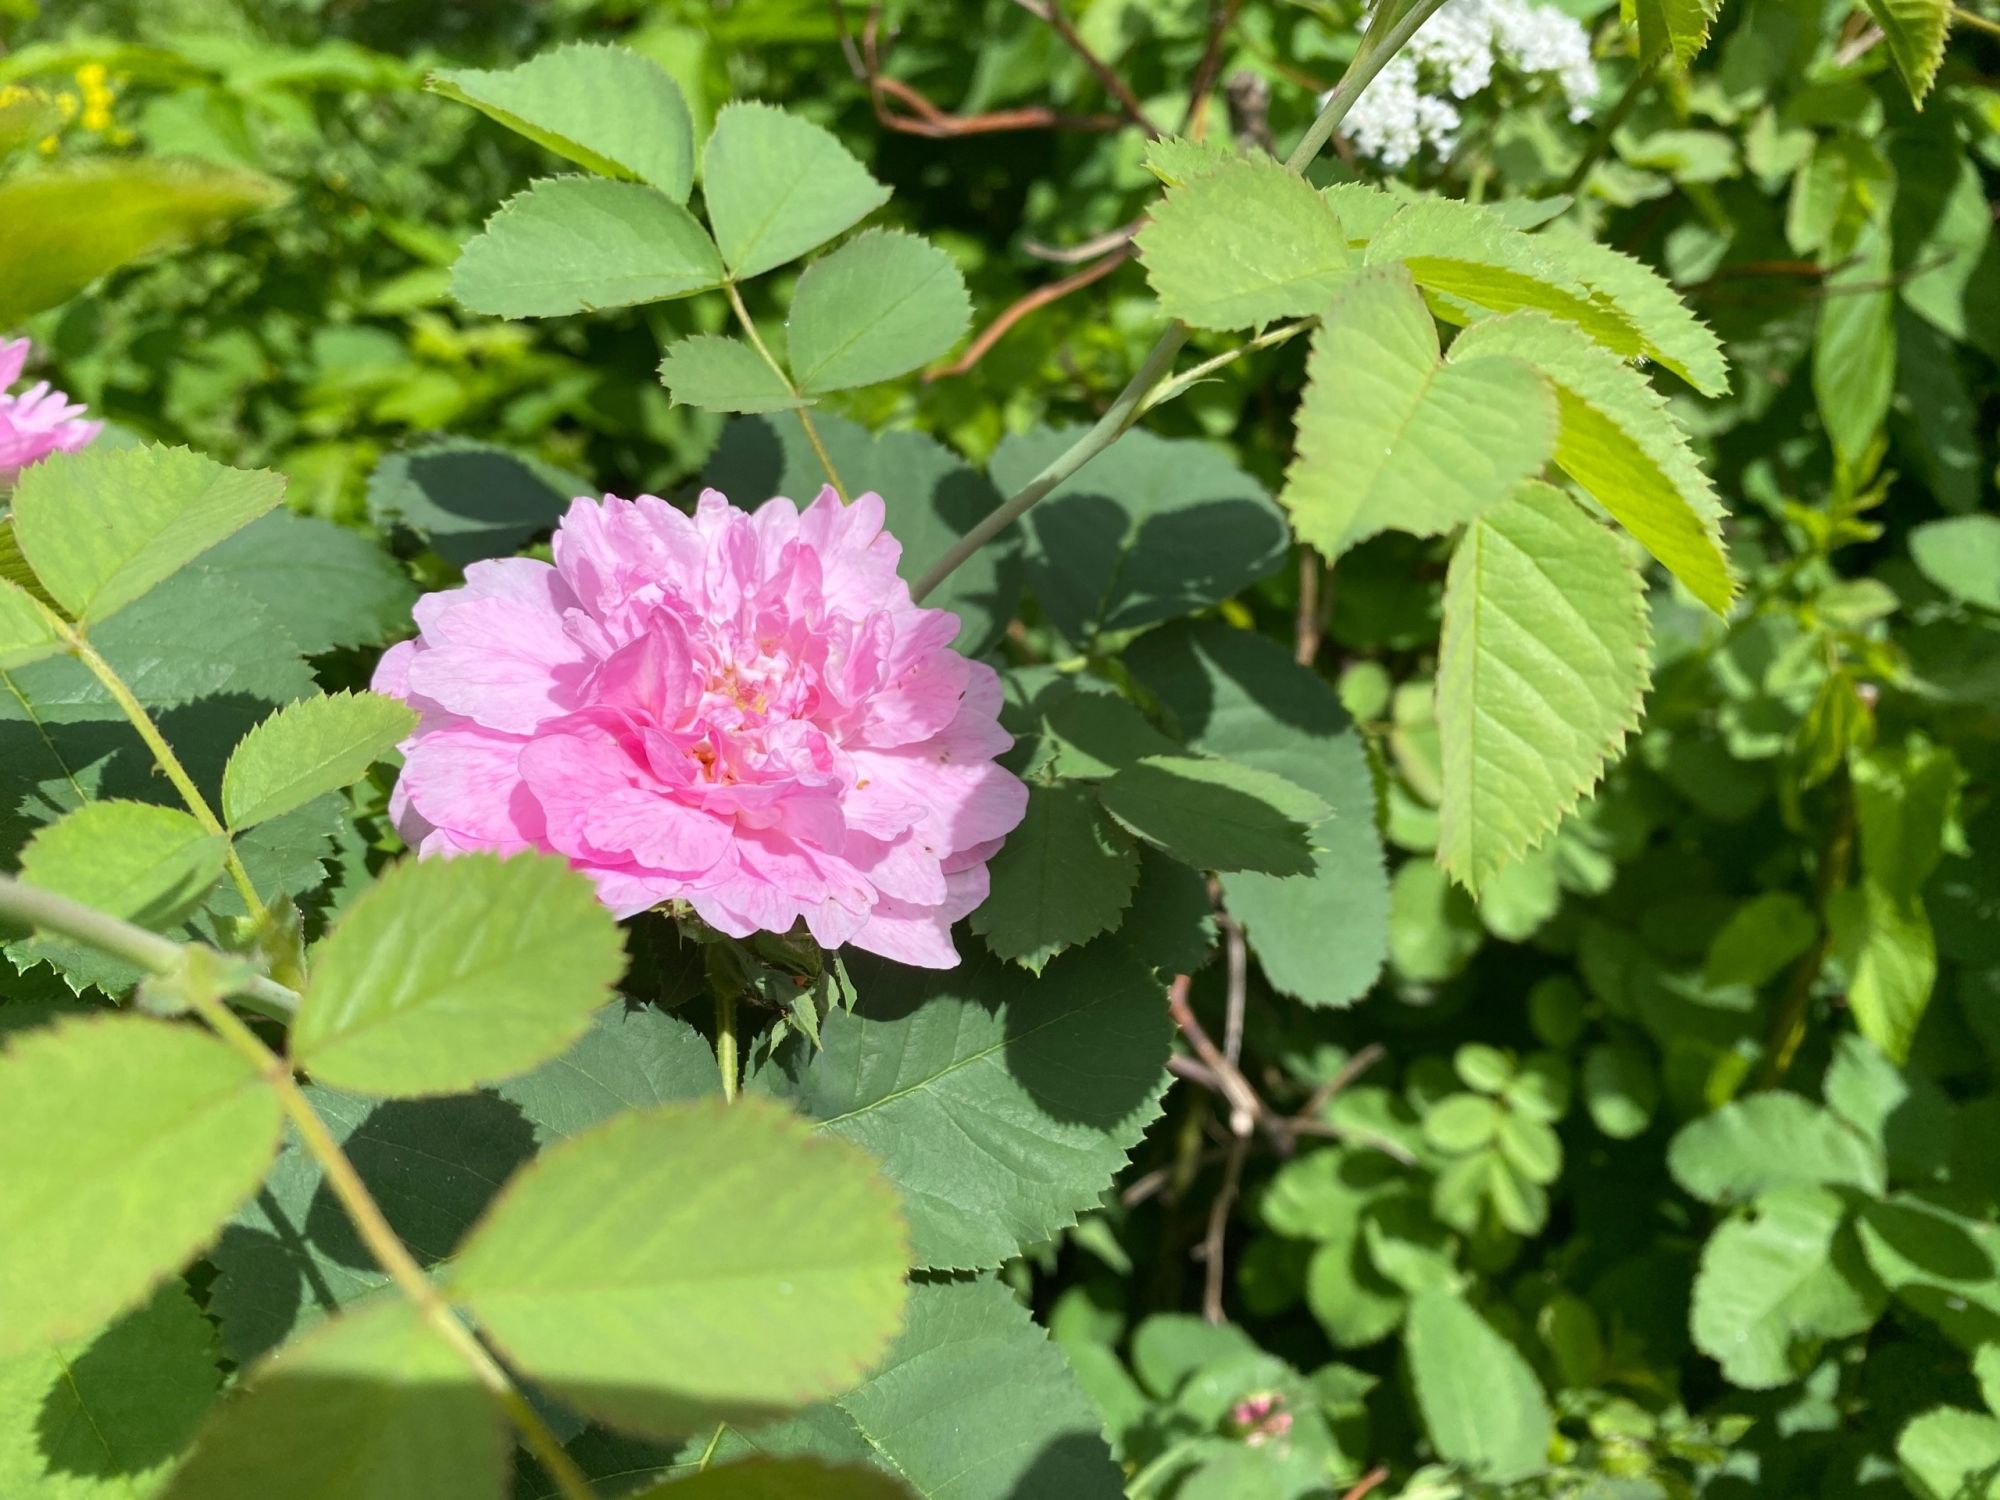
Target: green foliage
x=1243 y=243
x=105 y=1415
x=1480 y=1401
x=1544 y=631
x=310 y=748
x=559 y=101
x=604 y=1278
x=103 y=529
x=575 y=244
x=880 y=305
x=777 y=186
x=371 y=1405
x=1393 y=437
x=500 y=964
x=69 y=226
x=164 y=1131
x=964 y=1086
x=1586 y=969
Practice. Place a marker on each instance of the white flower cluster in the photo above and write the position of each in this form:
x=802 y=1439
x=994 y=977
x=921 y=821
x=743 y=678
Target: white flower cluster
x=1455 y=52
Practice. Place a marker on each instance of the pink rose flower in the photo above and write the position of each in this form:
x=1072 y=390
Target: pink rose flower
x=37 y=422
x=742 y=711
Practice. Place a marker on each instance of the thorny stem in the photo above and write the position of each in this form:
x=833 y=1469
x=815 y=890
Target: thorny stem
x=725 y=1042
x=1963 y=17
x=163 y=753
x=1270 y=338
x=804 y=416
x=1127 y=406
x=1788 y=1026
x=163 y=956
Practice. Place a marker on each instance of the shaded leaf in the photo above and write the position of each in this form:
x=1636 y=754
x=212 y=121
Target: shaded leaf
x=1064 y=875
x=1214 y=814
x=1152 y=529
x=470 y=500
x=1000 y=1107
x=373 y=1405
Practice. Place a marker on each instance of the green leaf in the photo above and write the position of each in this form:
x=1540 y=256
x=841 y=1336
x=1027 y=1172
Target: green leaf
x=1097 y=735
x=103 y=526
x=1245 y=243
x=1240 y=696
x=163 y=1131
x=1961 y=555
x=1761 y=937
x=1909 y=1119
x=26 y=116
x=1854 y=347
x=777 y=186
x=1214 y=814
x=579 y=244
x=1941 y=1264
x=1948 y=1454
x=1681 y=26
x=1770 y=1141
x=1465 y=253
x=373 y=1405
x=309 y=748
x=469 y=500
x=1906 y=800
x=446 y=974
x=719 y=373
x=606 y=1273
x=1620 y=443
x=1620 y=1089
x=607 y=109
x=1152 y=529
x=1481 y=1404
x=324 y=585
x=1390 y=437
x=780 y=1479
x=972 y=1403
x=28 y=631
x=1541 y=675
x=1669 y=332
x=1890 y=954
x=1915 y=32
x=290 y=1254
x=931 y=497
x=1064 y=875
x=101 y=1418
x=969 y=1086
x=69 y=224
x=1176 y=159
x=882 y=304
x=150 y=865
x=1773 y=1285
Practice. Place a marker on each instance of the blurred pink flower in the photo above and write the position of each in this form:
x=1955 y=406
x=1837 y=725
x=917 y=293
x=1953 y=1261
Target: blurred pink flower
x=38 y=421
x=742 y=711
